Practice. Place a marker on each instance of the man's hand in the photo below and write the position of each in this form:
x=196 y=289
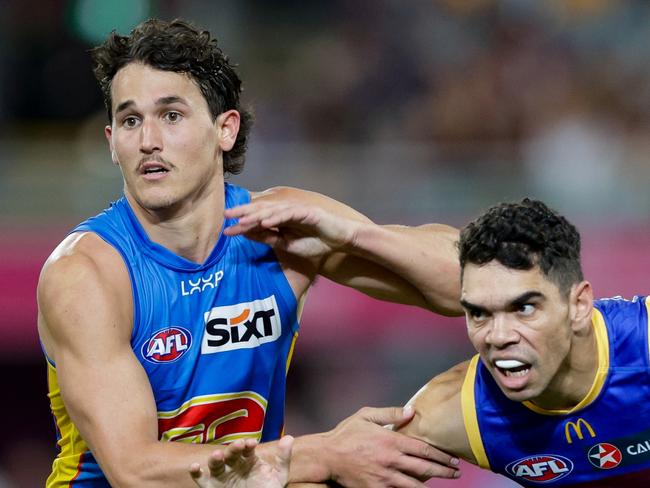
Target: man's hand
x=363 y=452
x=238 y=466
x=289 y=225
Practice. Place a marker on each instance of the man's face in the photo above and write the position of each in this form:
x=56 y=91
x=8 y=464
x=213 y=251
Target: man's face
x=163 y=137
x=520 y=324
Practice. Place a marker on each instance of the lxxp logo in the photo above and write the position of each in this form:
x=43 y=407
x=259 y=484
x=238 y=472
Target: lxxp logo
x=200 y=284
x=241 y=326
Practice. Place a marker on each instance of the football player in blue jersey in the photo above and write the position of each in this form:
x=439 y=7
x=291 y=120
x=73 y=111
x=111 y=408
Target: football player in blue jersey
x=153 y=320
x=558 y=392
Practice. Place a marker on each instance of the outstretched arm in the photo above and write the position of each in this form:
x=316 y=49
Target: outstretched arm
x=360 y=452
x=412 y=265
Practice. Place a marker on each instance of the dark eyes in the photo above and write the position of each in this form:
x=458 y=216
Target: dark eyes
x=526 y=309
x=130 y=122
x=173 y=117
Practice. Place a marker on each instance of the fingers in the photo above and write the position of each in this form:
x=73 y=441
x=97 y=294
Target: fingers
x=400 y=480
x=421 y=449
x=238 y=451
x=197 y=473
x=265 y=215
x=216 y=463
x=387 y=416
x=424 y=469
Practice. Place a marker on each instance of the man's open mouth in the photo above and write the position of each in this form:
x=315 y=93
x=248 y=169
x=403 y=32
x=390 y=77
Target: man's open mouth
x=512 y=367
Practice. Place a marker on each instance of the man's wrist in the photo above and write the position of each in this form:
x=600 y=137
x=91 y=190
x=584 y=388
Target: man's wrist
x=311 y=459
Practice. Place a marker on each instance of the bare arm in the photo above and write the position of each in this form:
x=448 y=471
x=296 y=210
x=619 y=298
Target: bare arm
x=438 y=414
x=361 y=453
x=411 y=265
x=85 y=324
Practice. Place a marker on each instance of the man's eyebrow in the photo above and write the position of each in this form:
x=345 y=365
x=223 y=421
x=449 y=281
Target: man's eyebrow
x=123 y=106
x=471 y=306
x=525 y=298
x=161 y=101
x=514 y=303
x=171 y=99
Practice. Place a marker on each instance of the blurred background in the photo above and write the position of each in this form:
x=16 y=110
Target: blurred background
x=410 y=111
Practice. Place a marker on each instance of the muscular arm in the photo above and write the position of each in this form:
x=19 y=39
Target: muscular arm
x=85 y=317
x=438 y=414
x=411 y=265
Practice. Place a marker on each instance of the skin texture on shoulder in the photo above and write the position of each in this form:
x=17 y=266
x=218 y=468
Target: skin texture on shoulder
x=438 y=414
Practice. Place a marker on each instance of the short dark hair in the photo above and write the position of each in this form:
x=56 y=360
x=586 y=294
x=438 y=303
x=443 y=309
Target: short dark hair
x=180 y=47
x=524 y=235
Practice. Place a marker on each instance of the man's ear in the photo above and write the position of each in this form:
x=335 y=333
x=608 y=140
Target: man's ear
x=228 y=127
x=581 y=304
x=108 y=132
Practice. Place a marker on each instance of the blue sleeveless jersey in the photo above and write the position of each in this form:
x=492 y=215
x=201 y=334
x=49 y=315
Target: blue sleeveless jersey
x=603 y=441
x=215 y=340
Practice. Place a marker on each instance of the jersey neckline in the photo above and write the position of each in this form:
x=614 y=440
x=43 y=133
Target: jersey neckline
x=170 y=259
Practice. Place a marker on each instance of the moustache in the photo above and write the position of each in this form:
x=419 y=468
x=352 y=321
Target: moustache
x=155 y=159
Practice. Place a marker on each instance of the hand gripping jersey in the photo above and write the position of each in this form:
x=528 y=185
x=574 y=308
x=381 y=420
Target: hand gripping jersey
x=215 y=340
x=602 y=441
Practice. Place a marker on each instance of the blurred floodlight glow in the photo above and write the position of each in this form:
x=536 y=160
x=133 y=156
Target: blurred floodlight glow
x=93 y=20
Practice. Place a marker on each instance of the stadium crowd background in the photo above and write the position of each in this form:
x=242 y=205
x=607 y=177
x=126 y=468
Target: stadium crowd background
x=410 y=111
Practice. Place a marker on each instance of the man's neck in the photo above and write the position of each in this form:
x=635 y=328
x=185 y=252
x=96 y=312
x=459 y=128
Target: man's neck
x=577 y=375
x=189 y=229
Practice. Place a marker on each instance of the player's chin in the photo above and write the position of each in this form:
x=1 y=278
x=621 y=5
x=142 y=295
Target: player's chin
x=517 y=388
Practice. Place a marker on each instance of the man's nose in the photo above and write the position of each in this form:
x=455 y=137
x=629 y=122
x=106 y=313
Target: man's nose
x=502 y=332
x=150 y=137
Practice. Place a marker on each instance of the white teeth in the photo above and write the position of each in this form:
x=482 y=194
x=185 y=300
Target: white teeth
x=509 y=363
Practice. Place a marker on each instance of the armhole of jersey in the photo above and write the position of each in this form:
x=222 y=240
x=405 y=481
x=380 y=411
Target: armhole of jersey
x=290 y=355
x=647 y=337
x=470 y=417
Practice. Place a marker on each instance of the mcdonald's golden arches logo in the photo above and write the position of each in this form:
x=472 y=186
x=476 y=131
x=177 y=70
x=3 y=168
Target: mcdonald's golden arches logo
x=577 y=427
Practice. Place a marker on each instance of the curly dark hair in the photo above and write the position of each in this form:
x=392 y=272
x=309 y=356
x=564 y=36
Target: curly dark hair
x=524 y=235
x=178 y=46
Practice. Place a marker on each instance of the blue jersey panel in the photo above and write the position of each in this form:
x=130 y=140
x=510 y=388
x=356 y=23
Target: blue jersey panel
x=214 y=338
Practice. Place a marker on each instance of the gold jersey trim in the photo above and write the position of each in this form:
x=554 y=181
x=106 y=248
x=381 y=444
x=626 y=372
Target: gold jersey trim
x=291 y=349
x=470 y=418
x=647 y=307
x=65 y=467
x=602 y=345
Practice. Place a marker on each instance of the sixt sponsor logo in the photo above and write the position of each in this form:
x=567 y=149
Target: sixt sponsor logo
x=541 y=468
x=201 y=284
x=167 y=345
x=241 y=326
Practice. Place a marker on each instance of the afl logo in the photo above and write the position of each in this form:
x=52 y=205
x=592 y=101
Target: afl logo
x=605 y=456
x=541 y=469
x=167 y=345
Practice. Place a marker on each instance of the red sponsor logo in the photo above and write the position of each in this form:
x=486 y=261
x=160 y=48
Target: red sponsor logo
x=214 y=419
x=541 y=468
x=167 y=345
x=605 y=456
